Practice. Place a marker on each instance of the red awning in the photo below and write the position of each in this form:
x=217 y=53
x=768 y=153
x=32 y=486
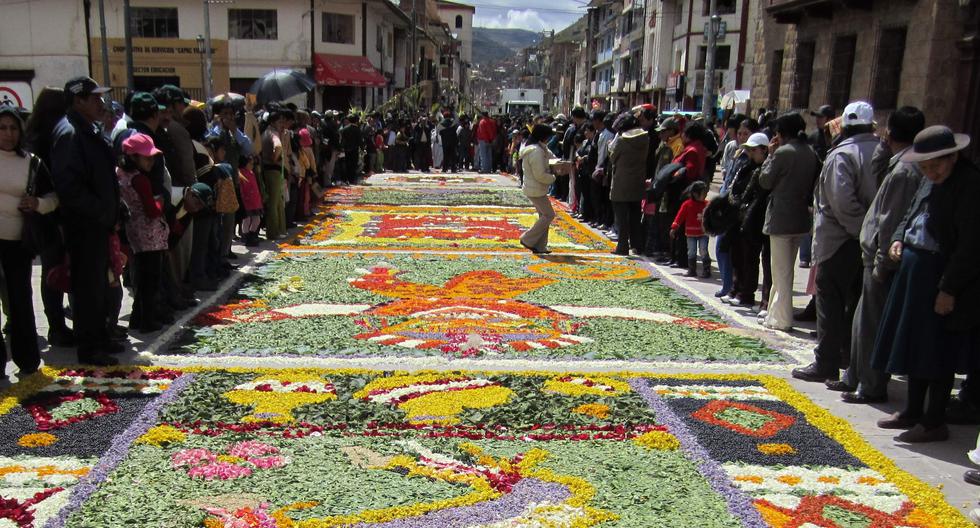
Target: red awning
x=346 y=70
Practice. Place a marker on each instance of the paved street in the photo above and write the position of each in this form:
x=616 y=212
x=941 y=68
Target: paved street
x=408 y=264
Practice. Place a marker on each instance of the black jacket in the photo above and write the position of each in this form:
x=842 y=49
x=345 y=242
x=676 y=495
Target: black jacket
x=350 y=138
x=568 y=142
x=953 y=220
x=84 y=174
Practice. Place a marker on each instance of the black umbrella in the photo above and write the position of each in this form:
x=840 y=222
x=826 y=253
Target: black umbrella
x=279 y=85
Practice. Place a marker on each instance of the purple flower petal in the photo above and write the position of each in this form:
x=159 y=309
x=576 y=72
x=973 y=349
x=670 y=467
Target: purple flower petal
x=739 y=504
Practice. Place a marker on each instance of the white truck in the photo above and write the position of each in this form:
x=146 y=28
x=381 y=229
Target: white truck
x=521 y=101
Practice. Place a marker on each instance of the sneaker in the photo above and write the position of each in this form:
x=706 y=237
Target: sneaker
x=763 y=314
x=722 y=294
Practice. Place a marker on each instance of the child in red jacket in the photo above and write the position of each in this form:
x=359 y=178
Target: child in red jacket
x=691 y=216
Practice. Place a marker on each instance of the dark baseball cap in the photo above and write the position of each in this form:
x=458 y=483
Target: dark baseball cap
x=824 y=111
x=169 y=94
x=144 y=103
x=83 y=86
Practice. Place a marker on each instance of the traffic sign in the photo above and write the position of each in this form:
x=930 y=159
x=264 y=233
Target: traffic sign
x=17 y=95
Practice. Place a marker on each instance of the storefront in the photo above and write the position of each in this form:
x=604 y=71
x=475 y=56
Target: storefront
x=164 y=61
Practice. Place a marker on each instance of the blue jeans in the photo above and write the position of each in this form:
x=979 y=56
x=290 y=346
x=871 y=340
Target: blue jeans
x=697 y=246
x=486 y=156
x=724 y=265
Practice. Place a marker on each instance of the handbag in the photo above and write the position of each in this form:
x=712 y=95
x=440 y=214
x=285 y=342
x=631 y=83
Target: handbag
x=38 y=232
x=59 y=277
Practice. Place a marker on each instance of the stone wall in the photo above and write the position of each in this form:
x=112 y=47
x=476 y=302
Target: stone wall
x=928 y=68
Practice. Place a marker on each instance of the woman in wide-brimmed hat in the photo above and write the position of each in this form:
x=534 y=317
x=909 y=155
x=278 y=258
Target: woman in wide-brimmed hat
x=931 y=325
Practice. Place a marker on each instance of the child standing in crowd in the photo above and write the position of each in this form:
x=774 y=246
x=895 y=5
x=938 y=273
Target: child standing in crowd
x=146 y=229
x=691 y=217
x=307 y=173
x=251 y=201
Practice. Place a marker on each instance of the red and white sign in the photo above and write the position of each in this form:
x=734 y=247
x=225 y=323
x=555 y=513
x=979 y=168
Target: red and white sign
x=17 y=95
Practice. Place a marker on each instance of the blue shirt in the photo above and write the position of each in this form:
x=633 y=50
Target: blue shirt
x=917 y=234
x=240 y=137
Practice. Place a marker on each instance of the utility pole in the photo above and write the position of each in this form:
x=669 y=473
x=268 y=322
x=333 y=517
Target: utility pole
x=208 y=84
x=415 y=25
x=128 y=36
x=105 y=45
x=708 y=101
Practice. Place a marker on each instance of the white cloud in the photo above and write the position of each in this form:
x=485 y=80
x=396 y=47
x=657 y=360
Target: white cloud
x=529 y=19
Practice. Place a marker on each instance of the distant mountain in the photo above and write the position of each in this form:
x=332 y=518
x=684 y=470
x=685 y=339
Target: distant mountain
x=493 y=44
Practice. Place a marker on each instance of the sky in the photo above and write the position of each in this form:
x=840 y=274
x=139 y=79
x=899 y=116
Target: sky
x=533 y=15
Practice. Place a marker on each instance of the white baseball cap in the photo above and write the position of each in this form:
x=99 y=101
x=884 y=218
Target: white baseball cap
x=858 y=113
x=757 y=140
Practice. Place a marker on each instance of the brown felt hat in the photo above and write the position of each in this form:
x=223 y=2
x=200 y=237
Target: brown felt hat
x=935 y=142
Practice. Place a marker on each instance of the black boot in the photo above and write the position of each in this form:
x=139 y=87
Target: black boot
x=706 y=268
x=809 y=313
x=692 y=268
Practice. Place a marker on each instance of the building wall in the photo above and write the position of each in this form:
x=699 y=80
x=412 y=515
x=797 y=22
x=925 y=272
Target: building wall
x=464 y=34
x=930 y=54
x=246 y=58
x=54 y=54
x=688 y=37
x=345 y=8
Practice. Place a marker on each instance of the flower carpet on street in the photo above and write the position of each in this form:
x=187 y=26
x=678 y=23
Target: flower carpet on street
x=469 y=449
x=444 y=180
x=427 y=196
x=442 y=228
x=474 y=306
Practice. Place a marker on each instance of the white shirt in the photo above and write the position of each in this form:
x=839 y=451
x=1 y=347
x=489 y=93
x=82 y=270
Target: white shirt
x=13 y=187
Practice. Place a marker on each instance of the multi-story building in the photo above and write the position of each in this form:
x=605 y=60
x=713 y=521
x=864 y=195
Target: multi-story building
x=358 y=51
x=891 y=54
x=735 y=40
x=603 y=34
x=655 y=51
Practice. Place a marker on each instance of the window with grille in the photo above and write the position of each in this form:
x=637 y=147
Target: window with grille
x=338 y=28
x=154 y=22
x=803 y=76
x=841 y=68
x=459 y=21
x=253 y=24
x=379 y=39
x=888 y=71
x=775 y=73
